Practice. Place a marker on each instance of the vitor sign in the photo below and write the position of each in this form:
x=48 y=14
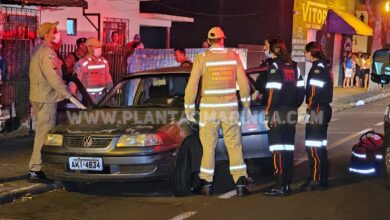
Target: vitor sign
x=314 y=14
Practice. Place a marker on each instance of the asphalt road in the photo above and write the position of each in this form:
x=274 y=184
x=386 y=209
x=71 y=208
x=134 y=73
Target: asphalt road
x=349 y=197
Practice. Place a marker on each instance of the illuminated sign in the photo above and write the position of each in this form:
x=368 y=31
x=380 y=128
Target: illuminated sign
x=314 y=14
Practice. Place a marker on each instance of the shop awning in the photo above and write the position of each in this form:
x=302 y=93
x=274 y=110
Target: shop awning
x=345 y=23
x=53 y=3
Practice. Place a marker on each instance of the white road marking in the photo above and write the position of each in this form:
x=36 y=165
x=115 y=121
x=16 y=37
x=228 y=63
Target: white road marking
x=184 y=215
x=350 y=137
x=379 y=124
x=228 y=195
x=337 y=143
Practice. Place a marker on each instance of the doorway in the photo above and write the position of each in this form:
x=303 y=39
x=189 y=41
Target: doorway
x=154 y=37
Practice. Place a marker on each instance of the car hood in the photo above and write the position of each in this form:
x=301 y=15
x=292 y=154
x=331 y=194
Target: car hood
x=116 y=121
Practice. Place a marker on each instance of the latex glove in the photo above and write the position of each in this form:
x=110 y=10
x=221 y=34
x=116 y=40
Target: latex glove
x=77 y=103
x=266 y=120
x=254 y=95
x=247 y=114
x=191 y=116
x=266 y=125
x=307 y=118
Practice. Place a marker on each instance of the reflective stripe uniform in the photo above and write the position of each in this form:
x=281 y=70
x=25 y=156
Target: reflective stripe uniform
x=220 y=70
x=286 y=92
x=319 y=95
x=94 y=74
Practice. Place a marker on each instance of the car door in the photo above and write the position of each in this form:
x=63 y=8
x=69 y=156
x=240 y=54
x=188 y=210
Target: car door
x=66 y=105
x=254 y=133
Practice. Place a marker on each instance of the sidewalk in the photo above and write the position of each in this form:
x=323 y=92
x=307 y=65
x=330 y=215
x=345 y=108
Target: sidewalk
x=344 y=98
x=14 y=157
x=15 y=152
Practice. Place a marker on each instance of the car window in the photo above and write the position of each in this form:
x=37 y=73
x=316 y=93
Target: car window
x=166 y=90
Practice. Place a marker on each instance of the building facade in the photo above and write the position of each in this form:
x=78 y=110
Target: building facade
x=310 y=23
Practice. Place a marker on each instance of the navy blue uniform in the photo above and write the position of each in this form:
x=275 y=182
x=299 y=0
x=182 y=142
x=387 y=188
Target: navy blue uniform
x=285 y=87
x=319 y=95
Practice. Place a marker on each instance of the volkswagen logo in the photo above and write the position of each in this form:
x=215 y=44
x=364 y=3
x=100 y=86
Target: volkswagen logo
x=87 y=141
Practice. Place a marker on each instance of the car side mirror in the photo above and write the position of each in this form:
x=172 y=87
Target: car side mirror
x=381 y=67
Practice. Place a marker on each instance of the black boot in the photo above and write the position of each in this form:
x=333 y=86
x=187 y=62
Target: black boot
x=206 y=188
x=278 y=191
x=242 y=187
x=310 y=185
x=37 y=177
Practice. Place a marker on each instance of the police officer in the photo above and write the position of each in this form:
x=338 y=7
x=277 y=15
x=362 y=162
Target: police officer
x=319 y=95
x=220 y=69
x=93 y=71
x=286 y=91
x=46 y=89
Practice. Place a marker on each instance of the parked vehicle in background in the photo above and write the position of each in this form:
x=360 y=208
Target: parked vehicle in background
x=381 y=74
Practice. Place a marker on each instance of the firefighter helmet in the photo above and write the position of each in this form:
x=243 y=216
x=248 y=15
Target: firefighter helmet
x=215 y=33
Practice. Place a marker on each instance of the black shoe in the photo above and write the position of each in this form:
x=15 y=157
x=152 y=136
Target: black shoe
x=37 y=177
x=242 y=187
x=206 y=188
x=278 y=191
x=310 y=185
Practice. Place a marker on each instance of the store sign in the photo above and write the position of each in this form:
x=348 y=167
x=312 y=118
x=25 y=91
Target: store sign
x=314 y=14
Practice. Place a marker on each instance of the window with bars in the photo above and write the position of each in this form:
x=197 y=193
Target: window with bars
x=118 y=25
x=18 y=23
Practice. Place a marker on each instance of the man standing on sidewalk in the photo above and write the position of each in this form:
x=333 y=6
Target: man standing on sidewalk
x=46 y=89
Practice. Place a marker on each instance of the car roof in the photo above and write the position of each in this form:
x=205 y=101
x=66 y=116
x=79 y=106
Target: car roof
x=161 y=71
x=181 y=70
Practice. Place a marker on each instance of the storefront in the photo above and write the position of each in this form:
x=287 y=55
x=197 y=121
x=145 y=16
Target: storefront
x=332 y=23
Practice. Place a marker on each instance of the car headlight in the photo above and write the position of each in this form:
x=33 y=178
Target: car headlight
x=54 y=140
x=139 y=140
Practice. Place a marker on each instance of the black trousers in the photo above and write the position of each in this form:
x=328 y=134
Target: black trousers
x=281 y=138
x=316 y=142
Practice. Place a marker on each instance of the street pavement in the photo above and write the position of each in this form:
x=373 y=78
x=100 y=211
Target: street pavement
x=349 y=197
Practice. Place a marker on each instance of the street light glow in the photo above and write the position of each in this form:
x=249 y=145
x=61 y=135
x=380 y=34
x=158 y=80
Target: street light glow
x=387 y=6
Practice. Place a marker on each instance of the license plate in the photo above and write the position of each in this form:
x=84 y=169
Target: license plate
x=86 y=163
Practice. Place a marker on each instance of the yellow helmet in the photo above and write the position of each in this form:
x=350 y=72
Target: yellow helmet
x=215 y=33
x=93 y=42
x=44 y=28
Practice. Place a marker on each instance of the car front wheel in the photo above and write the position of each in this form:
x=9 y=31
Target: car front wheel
x=187 y=167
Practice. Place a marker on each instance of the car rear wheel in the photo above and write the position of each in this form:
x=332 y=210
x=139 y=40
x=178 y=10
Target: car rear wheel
x=187 y=167
x=387 y=167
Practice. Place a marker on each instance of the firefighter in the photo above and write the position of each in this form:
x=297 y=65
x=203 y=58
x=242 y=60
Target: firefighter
x=286 y=92
x=220 y=70
x=46 y=89
x=93 y=71
x=319 y=95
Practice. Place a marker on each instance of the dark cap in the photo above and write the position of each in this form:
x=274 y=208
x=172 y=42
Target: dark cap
x=81 y=40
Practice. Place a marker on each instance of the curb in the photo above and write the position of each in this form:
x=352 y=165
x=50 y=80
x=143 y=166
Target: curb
x=34 y=189
x=341 y=106
x=13 y=178
x=365 y=100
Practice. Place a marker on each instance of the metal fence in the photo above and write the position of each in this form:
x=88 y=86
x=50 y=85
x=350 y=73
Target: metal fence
x=116 y=57
x=15 y=87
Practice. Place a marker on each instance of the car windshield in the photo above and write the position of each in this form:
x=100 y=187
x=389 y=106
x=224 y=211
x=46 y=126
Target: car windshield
x=165 y=90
